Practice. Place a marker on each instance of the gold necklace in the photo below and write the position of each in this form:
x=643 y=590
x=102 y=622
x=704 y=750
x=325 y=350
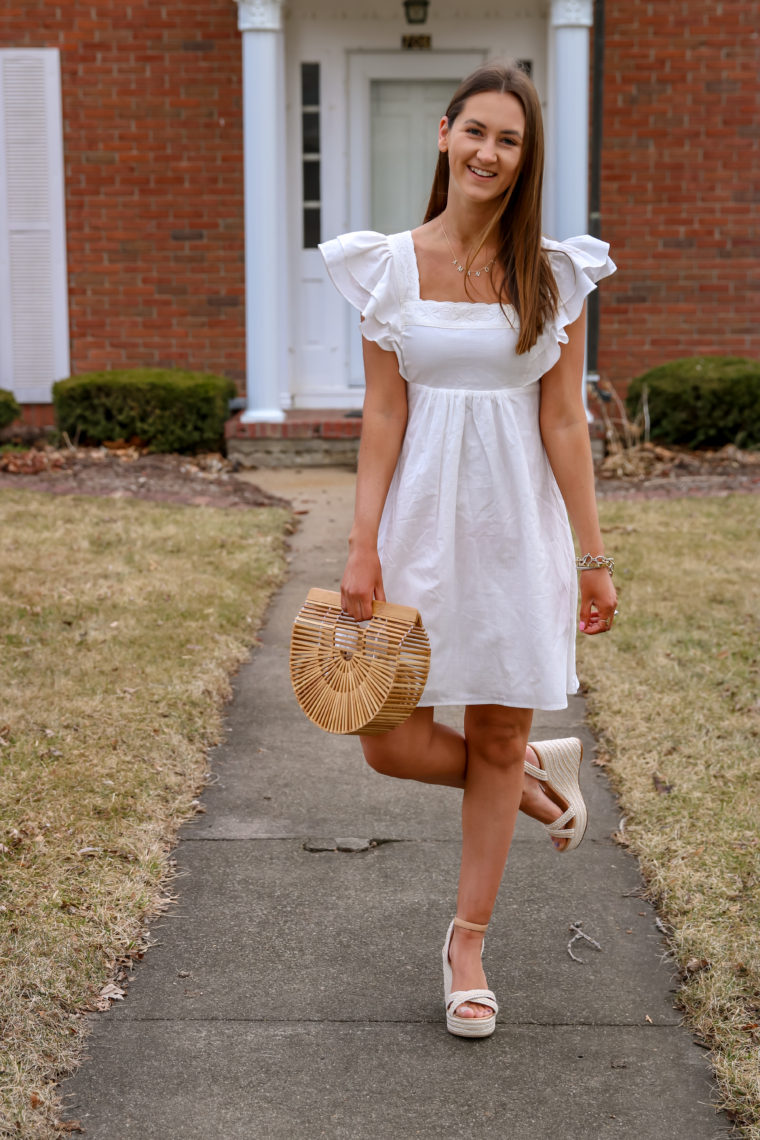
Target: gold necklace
x=461 y=268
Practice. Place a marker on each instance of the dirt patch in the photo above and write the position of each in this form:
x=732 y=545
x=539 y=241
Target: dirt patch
x=653 y=472
x=646 y=472
x=198 y=480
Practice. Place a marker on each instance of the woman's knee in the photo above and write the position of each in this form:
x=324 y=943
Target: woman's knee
x=498 y=739
x=382 y=758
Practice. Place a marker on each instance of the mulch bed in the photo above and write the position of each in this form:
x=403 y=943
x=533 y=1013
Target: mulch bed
x=198 y=480
x=645 y=472
x=653 y=472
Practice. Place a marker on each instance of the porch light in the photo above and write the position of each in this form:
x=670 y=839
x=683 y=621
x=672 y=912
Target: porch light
x=416 y=11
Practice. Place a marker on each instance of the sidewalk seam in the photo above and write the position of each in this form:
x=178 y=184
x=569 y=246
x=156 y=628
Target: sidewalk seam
x=398 y=1021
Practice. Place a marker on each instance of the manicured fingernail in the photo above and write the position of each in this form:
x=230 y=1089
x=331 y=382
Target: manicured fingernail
x=581 y=625
x=556 y=843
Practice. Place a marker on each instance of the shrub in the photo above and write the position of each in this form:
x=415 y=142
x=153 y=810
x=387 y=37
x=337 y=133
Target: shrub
x=702 y=401
x=9 y=409
x=166 y=409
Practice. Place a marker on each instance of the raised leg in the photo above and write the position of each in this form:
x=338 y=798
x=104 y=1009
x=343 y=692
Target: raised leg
x=421 y=749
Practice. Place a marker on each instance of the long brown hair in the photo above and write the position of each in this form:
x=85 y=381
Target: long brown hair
x=528 y=282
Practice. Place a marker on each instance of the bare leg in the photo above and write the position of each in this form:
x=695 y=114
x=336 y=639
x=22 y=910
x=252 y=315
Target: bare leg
x=496 y=741
x=421 y=749
x=487 y=763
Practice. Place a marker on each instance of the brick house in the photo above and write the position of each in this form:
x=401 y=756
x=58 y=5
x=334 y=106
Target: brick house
x=167 y=170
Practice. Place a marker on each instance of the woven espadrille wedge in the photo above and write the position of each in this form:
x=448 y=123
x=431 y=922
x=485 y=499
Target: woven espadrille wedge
x=466 y=1026
x=561 y=762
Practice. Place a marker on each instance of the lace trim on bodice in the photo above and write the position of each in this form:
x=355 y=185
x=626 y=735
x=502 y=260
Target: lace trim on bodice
x=455 y=314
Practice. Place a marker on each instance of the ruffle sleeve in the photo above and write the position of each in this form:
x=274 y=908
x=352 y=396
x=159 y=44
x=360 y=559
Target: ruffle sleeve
x=578 y=264
x=361 y=267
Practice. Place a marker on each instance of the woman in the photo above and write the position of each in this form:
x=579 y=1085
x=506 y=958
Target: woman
x=474 y=451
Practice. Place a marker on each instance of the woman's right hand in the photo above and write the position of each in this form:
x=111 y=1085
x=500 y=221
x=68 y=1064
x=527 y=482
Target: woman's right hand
x=362 y=582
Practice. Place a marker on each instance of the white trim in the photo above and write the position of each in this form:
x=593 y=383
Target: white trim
x=53 y=296
x=346 y=399
x=572 y=14
x=259 y=15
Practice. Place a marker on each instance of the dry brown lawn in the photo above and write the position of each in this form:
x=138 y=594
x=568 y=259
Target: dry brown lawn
x=120 y=624
x=674 y=696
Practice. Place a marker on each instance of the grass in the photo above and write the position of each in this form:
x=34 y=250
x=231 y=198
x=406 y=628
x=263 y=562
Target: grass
x=120 y=624
x=674 y=697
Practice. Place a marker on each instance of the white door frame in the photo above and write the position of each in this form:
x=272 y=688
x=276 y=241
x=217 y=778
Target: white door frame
x=363 y=67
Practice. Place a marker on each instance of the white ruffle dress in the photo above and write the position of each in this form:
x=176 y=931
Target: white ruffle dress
x=474 y=532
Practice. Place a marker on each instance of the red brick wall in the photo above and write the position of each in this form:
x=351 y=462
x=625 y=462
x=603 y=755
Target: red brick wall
x=153 y=143
x=154 y=179
x=680 y=181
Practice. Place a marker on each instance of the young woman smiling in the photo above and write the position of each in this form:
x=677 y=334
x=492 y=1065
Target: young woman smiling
x=474 y=451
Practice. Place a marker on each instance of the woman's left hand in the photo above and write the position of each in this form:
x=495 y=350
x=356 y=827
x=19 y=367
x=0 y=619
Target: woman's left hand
x=598 y=601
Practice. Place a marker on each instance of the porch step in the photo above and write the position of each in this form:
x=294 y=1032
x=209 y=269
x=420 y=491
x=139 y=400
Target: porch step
x=316 y=438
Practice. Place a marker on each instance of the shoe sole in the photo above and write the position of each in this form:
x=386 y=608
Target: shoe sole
x=470 y=1026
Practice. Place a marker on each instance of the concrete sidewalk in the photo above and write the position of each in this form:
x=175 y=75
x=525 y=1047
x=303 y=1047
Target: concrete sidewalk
x=298 y=993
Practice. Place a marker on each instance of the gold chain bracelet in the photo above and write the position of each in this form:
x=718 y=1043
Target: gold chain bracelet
x=595 y=562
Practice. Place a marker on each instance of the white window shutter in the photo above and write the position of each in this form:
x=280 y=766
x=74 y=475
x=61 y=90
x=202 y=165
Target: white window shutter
x=34 y=318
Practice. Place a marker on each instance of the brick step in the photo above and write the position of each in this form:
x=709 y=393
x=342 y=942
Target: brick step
x=305 y=438
x=299 y=424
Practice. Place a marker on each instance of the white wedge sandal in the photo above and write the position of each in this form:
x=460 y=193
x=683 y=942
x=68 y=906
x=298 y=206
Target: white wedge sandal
x=466 y=1026
x=561 y=760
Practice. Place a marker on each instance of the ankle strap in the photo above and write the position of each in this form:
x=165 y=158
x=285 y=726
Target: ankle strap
x=470 y=925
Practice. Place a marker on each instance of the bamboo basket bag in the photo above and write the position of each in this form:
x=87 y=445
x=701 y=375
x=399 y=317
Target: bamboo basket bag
x=357 y=678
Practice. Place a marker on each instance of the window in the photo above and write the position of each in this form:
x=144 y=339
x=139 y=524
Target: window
x=310 y=155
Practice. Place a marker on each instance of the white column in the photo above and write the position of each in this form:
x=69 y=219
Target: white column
x=570 y=23
x=571 y=20
x=260 y=21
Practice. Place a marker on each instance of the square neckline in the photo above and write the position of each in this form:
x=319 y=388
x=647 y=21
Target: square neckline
x=415 y=280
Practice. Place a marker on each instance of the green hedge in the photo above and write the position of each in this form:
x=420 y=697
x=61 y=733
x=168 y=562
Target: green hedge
x=9 y=409
x=702 y=401
x=165 y=409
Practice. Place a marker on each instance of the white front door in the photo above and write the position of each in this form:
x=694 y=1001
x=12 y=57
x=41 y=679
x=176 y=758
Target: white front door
x=404 y=117
x=395 y=101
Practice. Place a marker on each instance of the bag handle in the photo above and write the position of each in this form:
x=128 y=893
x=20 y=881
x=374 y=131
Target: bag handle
x=389 y=610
